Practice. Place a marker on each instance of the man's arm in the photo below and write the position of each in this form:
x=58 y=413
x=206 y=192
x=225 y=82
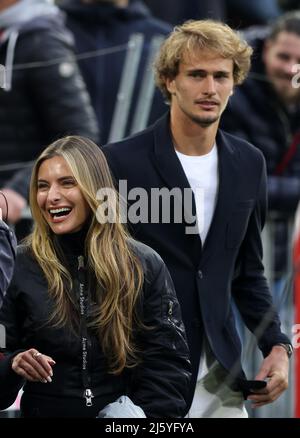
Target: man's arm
x=252 y=296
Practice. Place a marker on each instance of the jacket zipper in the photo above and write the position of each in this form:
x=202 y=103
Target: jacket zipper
x=88 y=395
x=170 y=310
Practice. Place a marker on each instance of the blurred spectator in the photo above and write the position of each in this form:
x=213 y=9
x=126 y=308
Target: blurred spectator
x=44 y=96
x=177 y=11
x=99 y=24
x=7 y=255
x=288 y=5
x=265 y=110
x=238 y=12
x=248 y=13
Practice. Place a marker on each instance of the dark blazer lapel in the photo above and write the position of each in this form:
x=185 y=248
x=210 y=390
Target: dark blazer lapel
x=228 y=182
x=171 y=171
x=166 y=160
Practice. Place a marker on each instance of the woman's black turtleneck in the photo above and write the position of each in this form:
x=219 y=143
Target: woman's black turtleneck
x=70 y=246
x=72 y=243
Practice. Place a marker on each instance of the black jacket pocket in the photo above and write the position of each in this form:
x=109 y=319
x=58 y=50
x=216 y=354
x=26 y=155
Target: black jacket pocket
x=237 y=227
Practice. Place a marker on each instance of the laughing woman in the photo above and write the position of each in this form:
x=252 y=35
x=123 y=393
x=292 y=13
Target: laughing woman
x=91 y=314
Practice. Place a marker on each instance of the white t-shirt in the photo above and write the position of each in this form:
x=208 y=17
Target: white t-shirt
x=202 y=174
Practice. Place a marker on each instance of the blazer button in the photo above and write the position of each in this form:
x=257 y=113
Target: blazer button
x=200 y=274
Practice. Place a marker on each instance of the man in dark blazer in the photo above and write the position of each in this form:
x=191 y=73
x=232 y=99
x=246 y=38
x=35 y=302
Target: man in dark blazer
x=196 y=70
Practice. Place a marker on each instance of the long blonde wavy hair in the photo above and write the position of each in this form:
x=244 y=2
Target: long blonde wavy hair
x=116 y=269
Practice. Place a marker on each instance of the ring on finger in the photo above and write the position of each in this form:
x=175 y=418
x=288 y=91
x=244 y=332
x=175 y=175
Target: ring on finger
x=36 y=354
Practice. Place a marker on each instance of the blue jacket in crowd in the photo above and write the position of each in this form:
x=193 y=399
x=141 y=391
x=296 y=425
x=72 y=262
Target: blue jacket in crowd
x=102 y=26
x=46 y=100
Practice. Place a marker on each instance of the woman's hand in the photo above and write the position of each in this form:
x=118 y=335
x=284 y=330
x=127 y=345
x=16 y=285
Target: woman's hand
x=33 y=366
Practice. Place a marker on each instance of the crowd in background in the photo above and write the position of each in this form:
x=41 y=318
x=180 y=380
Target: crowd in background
x=64 y=64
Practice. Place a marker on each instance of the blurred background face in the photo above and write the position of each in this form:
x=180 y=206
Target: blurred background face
x=279 y=57
x=59 y=197
x=6 y=3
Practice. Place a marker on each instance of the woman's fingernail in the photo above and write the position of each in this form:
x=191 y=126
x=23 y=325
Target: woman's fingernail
x=51 y=373
x=49 y=379
x=44 y=380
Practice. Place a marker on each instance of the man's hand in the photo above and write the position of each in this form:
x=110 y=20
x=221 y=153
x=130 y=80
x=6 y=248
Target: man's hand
x=16 y=204
x=275 y=368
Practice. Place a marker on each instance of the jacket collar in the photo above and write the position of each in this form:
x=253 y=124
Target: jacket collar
x=166 y=158
x=171 y=171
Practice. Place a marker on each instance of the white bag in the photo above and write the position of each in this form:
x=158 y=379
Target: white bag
x=123 y=407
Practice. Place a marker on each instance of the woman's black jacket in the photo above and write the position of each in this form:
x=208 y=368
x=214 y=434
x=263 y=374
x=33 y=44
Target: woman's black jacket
x=159 y=384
